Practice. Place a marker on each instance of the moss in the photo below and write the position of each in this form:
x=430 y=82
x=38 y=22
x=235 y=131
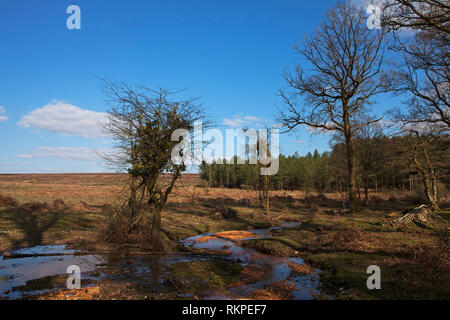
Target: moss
x=272 y=246
x=344 y=268
x=214 y=274
x=407 y=272
x=344 y=276
x=45 y=283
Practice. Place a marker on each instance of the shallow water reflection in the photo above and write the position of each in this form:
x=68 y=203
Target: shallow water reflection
x=21 y=277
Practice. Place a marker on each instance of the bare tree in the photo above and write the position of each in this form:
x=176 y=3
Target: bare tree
x=427 y=150
x=263 y=180
x=343 y=69
x=370 y=155
x=142 y=121
x=422 y=33
x=427 y=78
x=421 y=161
x=431 y=15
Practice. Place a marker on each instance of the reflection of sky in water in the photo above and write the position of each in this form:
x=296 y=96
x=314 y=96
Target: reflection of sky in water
x=276 y=268
x=43 y=250
x=16 y=272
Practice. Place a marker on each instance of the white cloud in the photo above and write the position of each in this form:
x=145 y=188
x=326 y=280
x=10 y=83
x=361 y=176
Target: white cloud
x=277 y=126
x=25 y=156
x=66 y=153
x=62 y=117
x=251 y=118
x=3 y=116
x=234 y=122
x=245 y=121
x=49 y=170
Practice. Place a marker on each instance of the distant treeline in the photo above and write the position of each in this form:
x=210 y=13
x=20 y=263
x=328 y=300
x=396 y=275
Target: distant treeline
x=383 y=164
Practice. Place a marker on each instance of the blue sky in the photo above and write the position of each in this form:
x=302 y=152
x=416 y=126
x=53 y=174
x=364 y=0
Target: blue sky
x=229 y=53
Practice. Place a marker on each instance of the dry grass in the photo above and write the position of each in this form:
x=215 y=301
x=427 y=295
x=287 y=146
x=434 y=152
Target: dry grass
x=82 y=202
x=281 y=290
x=73 y=209
x=300 y=268
x=232 y=235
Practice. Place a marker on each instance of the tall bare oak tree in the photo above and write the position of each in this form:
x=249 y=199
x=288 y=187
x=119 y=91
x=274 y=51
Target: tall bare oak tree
x=422 y=33
x=342 y=69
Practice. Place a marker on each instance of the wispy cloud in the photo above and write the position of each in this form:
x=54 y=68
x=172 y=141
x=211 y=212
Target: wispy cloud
x=236 y=122
x=65 y=118
x=66 y=153
x=240 y=121
x=25 y=156
x=277 y=126
x=3 y=116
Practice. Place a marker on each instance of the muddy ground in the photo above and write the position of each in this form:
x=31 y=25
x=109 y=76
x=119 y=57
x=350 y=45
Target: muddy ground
x=72 y=210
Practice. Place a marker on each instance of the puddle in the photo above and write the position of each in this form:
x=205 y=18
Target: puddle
x=16 y=275
x=267 y=232
x=27 y=276
x=276 y=268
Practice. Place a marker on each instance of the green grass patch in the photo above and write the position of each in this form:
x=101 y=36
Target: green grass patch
x=214 y=274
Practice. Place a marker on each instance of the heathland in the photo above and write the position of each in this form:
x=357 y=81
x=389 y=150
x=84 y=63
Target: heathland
x=75 y=209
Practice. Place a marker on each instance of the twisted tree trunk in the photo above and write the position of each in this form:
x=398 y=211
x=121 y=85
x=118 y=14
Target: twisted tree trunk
x=155 y=235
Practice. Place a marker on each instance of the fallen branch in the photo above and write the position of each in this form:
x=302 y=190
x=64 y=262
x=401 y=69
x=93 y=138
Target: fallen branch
x=224 y=212
x=419 y=216
x=10 y=255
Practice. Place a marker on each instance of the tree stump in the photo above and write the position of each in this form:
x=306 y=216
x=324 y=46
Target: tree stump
x=229 y=213
x=419 y=216
x=225 y=213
